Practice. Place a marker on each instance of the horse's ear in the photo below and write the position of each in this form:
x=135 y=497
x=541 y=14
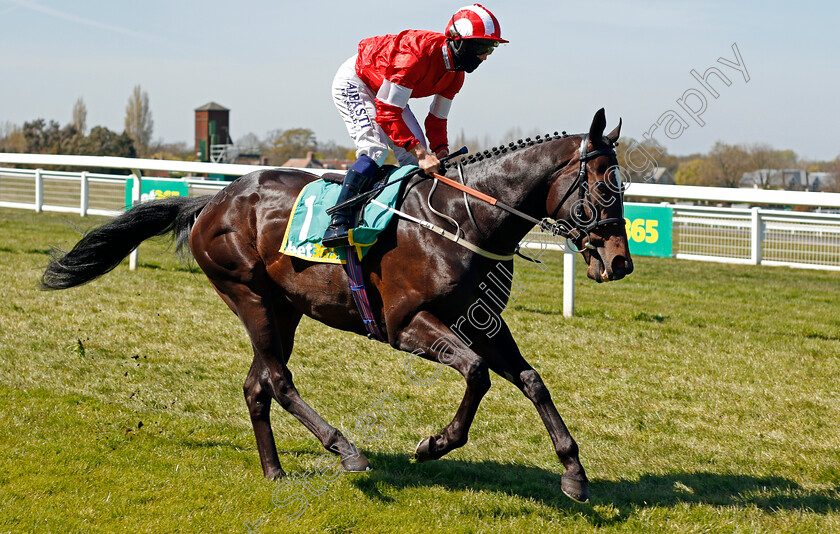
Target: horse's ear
x=599 y=122
x=613 y=135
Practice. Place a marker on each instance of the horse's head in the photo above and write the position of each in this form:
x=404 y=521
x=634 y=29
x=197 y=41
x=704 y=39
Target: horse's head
x=587 y=201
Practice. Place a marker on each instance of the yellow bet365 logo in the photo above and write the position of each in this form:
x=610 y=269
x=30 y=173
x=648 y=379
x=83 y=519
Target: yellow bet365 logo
x=642 y=230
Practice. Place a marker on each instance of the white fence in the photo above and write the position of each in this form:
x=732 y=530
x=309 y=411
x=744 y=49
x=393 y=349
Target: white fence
x=84 y=193
x=78 y=192
x=757 y=236
x=750 y=236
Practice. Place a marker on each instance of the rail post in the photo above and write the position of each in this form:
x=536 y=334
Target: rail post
x=568 y=279
x=135 y=199
x=83 y=194
x=756 y=235
x=39 y=191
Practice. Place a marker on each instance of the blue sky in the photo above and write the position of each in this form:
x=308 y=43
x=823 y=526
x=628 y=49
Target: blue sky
x=272 y=63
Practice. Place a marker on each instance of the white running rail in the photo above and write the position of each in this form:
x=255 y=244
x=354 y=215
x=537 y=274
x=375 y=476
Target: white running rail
x=751 y=236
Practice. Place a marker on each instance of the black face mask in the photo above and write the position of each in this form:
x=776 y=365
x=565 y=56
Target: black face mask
x=465 y=55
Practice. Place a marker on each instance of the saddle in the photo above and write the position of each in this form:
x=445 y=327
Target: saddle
x=309 y=219
x=333 y=177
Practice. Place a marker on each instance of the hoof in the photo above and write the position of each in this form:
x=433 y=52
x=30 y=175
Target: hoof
x=422 y=453
x=275 y=474
x=576 y=489
x=356 y=464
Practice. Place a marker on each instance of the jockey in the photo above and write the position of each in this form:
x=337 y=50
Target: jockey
x=371 y=91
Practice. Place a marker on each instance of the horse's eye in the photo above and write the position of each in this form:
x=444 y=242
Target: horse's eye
x=601 y=189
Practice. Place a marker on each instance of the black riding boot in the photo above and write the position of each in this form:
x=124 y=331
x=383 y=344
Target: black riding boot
x=342 y=220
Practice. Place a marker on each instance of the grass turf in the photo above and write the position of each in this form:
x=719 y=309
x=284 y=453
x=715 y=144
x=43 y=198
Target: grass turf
x=703 y=396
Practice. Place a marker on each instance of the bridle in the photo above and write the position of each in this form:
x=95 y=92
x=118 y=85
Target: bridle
x=579 y=229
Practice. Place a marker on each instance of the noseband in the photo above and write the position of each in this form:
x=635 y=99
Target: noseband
x=579 y=228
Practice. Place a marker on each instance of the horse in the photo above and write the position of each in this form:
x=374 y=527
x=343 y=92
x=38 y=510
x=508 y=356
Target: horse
x=419 y=283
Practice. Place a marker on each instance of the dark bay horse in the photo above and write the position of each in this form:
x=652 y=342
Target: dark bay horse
x=419 y=283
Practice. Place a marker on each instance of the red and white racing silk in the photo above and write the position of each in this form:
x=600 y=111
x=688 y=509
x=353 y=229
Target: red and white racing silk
x=412 y=64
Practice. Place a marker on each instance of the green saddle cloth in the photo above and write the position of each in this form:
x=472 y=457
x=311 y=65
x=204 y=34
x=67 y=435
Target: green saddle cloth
x=309 y=221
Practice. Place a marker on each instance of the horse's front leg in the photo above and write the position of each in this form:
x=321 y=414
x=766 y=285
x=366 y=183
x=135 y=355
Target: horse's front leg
x=426 y=336
x=574 y=482
x=506 y=360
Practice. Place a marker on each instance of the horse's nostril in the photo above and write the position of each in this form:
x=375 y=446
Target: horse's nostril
x=621 y=266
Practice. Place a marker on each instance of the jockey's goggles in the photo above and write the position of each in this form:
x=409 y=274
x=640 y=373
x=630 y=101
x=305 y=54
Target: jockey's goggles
x=480 y=47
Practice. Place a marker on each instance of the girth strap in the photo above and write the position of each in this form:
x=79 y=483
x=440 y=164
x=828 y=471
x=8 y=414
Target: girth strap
x=357 y=288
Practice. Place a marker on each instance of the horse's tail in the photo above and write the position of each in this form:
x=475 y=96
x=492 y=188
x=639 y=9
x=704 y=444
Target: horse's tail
x=104 y=247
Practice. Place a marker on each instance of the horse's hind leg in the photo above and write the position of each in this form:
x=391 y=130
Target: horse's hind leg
x=258 y=399
x=272 y=335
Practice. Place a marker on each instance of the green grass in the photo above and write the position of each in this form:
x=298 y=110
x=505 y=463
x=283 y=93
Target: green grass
x=704 y=398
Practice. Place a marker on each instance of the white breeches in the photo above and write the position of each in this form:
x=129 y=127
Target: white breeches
x=356 y=105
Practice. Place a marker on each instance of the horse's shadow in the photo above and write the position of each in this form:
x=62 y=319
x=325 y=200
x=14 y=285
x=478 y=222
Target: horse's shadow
x=717 y=489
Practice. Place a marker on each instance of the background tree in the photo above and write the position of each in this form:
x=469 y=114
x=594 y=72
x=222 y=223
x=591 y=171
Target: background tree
x=695 y=171
x=179 y=151
x=11 y=138
x=763 y=156
x=332 y=150
x=138 y=120
x=41 y=137
x=640 y=153
x=727 y=164
x=80 y=116
x=286 y=144
x=103 y=142
x=251 y=143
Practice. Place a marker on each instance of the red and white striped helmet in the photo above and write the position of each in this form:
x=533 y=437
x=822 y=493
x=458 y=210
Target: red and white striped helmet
x=474 y=22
